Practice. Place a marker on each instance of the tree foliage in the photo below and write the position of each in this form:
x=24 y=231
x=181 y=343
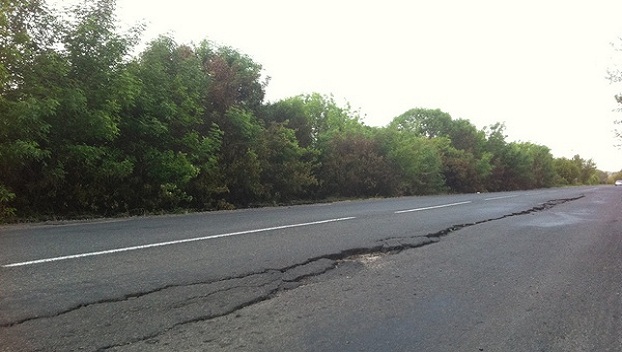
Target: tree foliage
x=88 y=129
x=352 y=165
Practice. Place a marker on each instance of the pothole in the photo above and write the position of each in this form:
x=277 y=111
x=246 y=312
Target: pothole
x=371 y=260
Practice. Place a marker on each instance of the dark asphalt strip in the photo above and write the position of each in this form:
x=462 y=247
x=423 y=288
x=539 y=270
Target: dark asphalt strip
x=228 y=295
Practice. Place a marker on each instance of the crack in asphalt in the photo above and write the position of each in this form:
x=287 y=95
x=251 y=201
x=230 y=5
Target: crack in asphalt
x=271 y=293
x=287 y=279
x=544 y=206
x=248 y=289
x=129 y=297
x=392 y=245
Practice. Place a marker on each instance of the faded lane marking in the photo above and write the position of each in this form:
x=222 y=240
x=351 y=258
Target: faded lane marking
x=170 y=243
x=432 y=207
x=502 y=197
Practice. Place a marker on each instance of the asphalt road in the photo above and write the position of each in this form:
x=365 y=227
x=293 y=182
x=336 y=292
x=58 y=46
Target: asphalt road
x=516 y=271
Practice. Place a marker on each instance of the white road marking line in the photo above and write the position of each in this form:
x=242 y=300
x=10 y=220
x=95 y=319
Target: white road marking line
x=433 y=207
x=169 y=243
x=503 y=197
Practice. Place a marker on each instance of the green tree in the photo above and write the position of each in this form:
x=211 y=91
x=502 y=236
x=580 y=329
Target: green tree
x=423 y=122
x=233 y=102
x=240 y=159
x=465 y=136
x=614 y=177
x=466 y=164
x=463 y=171
x=603 y=177
x=353 y=165
x=63 y=89
x=85 y=128
x=416 y=162
x=294 y=114
x=326 y=129
x=496 y=146
x=543 y=167
x=174 y=148
x=28 y=63
x=327 y=118
x=93 y=91
x=568 y=172
x=287 y=168
x=28 y=31
x=519 y=165
x=235 y=79
x=587 y=170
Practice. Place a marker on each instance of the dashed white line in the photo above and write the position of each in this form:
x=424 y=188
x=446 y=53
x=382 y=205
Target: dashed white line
x=432 y=207
x=502 y=197
x=169 y=243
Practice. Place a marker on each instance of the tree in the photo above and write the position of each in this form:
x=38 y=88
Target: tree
x=353 y=165
x=64 y=86
x=518 y=165
x=28 y=62
x=496 y=146
x=543 y=167
x=86 y=128
x=293 y=113
x=462 y=171
x=93 y=91
x=287 y=168
x=28 y=31
x=233 y=102
x=236 y=80
x=465 y=163
x=240 y=156
x=327 y=119
x=326 y=129
x=423 y=122
x=568 y=172
x=587 y=170
x=174 y=148
x=614 y=177
x=604 y=177
x=465 y=136
x=416 y=162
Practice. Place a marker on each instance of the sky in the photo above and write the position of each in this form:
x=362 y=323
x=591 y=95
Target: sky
x=538 y=66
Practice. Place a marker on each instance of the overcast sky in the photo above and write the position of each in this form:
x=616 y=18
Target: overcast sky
x=539 y=66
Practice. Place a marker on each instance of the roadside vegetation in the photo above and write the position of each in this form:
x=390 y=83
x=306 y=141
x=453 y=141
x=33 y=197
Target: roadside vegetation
x=89 y=128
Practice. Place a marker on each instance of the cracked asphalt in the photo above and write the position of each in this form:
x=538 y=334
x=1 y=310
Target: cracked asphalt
x=514 y=271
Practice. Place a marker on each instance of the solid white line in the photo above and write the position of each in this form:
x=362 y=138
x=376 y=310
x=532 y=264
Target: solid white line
x=503 y=197
x=169 y=243
x=434 y=207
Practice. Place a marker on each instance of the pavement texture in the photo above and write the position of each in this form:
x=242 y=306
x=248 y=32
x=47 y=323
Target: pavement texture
x=544 y=278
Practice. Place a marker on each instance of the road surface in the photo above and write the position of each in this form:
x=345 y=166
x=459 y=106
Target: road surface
x=516 y=271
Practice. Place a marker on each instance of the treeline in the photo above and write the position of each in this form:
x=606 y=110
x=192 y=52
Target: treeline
x=87 y=128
